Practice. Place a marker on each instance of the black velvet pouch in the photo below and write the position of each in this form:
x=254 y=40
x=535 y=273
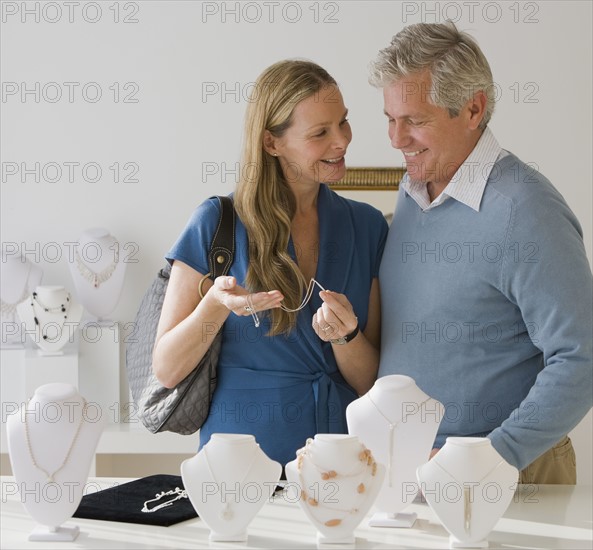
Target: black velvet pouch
x=125 y=502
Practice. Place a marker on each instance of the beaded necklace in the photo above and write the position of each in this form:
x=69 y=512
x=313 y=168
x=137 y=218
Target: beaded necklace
x=366 y=464
x=96 y=279
x=62 y=308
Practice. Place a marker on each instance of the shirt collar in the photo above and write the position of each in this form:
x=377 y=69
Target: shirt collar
x=469 y=182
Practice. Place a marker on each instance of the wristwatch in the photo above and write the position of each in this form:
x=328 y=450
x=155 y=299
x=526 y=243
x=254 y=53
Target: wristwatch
x=345 y=339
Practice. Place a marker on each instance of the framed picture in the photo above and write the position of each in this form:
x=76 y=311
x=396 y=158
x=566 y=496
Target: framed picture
x=370 y=179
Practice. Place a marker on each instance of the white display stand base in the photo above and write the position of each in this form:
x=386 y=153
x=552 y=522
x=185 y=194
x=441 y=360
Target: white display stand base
x=454 y=543
x=219 y=537
x=41 y=369
x=385 y=519
x=64 y=533
x=325 y=542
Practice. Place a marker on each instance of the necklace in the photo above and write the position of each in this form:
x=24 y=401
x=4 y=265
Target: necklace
x=392 y=426
x=181 y=493
x=227 y=512
x=62 y=308
x=9 y=308
x=306 y=299
x=50 y=476
x=467 y=493
x=96 y=279
x=366 y=464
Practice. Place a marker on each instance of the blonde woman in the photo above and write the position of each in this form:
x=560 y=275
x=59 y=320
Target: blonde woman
x=293 y=375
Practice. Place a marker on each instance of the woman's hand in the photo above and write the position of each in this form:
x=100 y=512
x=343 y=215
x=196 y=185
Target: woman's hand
x=235 y=298
x=335 y=318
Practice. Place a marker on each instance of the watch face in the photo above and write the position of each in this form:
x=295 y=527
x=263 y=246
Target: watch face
x=339 y=341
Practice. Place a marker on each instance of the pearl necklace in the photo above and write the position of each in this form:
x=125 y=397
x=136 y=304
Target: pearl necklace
x=62 y=308
x=227 y=513
x=467 y=492
x=392 y=426
x=50 y=476
x=366 y=464
x=96 y=279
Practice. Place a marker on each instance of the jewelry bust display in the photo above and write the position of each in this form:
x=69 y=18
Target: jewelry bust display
x=50 y=317
x=97 y=269
x=468 y=485
x=338 y=480
x=51 y=443
x=18 y=278
x=228 y=482
x=399 y=422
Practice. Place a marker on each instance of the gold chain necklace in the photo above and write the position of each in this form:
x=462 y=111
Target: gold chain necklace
x=50 y=476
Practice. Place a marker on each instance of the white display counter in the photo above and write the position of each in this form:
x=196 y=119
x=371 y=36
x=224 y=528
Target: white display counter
x=540 y=516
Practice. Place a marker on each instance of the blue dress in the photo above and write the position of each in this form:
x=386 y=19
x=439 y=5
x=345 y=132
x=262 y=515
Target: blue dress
x=284 y=389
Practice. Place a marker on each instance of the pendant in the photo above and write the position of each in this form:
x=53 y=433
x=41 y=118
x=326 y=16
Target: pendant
x=226 y=513
x=467 y=509
x=50 y=479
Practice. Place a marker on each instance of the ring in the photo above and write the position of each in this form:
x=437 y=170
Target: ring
x=325 y=329
x=248 y=308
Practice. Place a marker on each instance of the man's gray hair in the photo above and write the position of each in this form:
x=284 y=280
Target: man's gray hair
x=457 y=66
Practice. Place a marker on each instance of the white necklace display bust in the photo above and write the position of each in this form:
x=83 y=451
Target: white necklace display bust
x=469 y=486
x=98 y=270
x=51 y=443
x=50 y=317
x=228 y=482
x=338 y=480
x=399 y=422
x=18 y=278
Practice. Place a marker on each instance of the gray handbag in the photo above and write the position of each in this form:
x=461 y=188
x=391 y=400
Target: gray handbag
x=184 y=408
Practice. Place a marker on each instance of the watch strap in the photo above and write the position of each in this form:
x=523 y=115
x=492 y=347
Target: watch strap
x=345 y=339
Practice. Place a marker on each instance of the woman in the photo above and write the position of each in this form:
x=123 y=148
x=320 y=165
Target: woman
x=293 y=375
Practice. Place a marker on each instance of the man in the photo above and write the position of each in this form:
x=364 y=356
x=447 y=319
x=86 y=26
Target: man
x=486 y=288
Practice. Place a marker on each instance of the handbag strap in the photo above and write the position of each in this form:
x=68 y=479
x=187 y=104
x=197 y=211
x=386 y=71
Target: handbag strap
x=222 y=249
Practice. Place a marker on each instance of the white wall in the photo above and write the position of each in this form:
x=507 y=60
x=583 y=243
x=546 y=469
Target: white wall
x=174 y=78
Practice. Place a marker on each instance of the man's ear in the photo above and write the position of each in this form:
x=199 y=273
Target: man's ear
x=477 y=109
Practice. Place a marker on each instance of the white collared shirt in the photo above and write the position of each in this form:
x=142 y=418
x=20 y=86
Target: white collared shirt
x=469 y=181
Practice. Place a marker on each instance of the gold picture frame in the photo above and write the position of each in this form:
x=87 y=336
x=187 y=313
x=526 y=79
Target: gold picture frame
x=370 y=179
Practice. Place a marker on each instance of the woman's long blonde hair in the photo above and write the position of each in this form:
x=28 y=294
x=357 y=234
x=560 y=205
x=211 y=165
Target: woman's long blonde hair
x=263 y=199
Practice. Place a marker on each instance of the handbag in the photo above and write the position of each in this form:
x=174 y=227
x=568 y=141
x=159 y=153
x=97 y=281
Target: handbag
x=184 y=408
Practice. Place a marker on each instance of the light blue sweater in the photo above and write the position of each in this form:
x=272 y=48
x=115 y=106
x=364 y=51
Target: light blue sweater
x=491 y=312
